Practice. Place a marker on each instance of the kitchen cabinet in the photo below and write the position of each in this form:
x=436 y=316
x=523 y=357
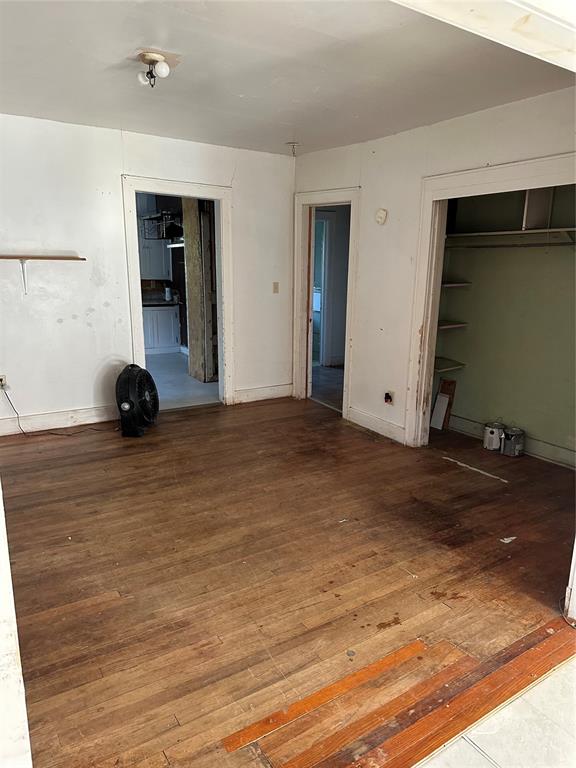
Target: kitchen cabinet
x=161 y=329
x=155 y=258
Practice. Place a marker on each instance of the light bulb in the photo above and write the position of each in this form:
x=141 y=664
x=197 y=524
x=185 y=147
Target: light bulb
x=142 y=79
x=161 y=69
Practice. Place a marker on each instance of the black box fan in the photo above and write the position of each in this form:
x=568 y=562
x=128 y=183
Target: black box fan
x=137 y=399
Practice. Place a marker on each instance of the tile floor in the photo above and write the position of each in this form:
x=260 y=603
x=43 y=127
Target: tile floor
x=535 y=730
x=176 y=388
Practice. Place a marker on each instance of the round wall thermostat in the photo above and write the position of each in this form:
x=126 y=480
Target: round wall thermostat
x=381 y=216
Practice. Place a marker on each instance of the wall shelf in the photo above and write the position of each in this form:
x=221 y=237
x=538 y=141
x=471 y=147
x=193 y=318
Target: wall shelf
x=18 y=257
x=511 y=232
x=24 y=258
x=445 y=364
x=454 y=284
x=519 y=238
x=444 y=325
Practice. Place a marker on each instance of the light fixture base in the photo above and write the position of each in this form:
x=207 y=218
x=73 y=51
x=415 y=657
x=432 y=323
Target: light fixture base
x=151 y=57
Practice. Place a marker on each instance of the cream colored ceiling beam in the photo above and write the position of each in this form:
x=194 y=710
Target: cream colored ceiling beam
x=545 y=29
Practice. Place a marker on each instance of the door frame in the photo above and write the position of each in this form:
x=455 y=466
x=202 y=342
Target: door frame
x=304 y=205
x=436 y=191
x=222 y=197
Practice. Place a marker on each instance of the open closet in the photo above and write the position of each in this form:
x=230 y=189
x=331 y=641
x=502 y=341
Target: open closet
x=505 y=337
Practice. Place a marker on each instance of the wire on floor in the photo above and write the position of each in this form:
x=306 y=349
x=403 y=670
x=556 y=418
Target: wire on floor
x=49 y=432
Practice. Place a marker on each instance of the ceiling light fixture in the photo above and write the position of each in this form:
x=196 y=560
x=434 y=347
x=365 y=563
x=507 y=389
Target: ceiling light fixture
x=157 y=67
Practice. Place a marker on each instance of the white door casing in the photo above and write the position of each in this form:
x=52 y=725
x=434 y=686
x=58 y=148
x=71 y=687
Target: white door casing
x=304 y=204
x=222 y=197
x=436 y=190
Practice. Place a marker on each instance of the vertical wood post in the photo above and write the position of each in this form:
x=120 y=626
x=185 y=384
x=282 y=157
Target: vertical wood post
x=194 y=289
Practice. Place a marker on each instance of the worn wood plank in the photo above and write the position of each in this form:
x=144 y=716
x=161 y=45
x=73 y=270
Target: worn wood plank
x=302 y=748
x=329 y=693
x=444 y=722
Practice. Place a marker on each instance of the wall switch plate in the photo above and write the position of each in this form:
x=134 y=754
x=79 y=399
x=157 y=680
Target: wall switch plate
x=389 y=398
x=3 y=381
x=275 y=287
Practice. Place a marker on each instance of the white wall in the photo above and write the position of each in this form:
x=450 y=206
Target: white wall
x=60 y=189
x=62 y=346
x=389 y=172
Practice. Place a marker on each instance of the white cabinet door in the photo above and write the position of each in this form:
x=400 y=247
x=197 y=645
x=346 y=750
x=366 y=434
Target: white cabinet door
x=155 y=258
x=161 y=329
x=166 y=262
x=168 y=327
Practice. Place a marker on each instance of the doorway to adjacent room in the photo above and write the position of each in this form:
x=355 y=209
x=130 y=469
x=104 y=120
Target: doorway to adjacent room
x=325 y=254
x=179 y=298
x=176 y=248
x=331 y=243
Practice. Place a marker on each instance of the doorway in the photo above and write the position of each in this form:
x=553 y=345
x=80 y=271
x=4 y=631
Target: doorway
x=329 y=283
x=179 y=298
x=177 y=237
x=325 y=255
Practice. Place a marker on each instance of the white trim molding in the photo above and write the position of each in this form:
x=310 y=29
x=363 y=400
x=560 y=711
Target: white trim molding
x=222 y=196
x=570 y=600
x=303 y=203
x=262 y=393
x=376 y=424
x=436 y=190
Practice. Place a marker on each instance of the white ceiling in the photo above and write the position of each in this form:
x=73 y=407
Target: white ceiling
x=256 y=74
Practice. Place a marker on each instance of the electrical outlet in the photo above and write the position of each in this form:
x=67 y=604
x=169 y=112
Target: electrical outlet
x=3 y=381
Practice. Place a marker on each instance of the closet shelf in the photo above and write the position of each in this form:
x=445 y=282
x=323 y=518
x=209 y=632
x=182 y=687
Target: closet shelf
x=445 y=364
x=511 y=232
x=521 y=238
x=444 y=325
x=454 y=284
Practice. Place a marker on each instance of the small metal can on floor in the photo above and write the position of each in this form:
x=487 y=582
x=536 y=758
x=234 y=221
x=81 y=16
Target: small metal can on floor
x=513 y=442
x=493 y=434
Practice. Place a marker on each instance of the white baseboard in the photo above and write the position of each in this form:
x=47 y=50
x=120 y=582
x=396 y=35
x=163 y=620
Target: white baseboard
x=376 y=424
x=533 y=447
x=36 y=422
x=262 y=393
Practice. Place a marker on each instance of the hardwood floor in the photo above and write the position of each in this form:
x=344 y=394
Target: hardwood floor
x=174 y=589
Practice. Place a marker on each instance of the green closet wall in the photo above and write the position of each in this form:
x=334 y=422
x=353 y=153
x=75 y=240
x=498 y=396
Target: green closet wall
x=519 y=345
